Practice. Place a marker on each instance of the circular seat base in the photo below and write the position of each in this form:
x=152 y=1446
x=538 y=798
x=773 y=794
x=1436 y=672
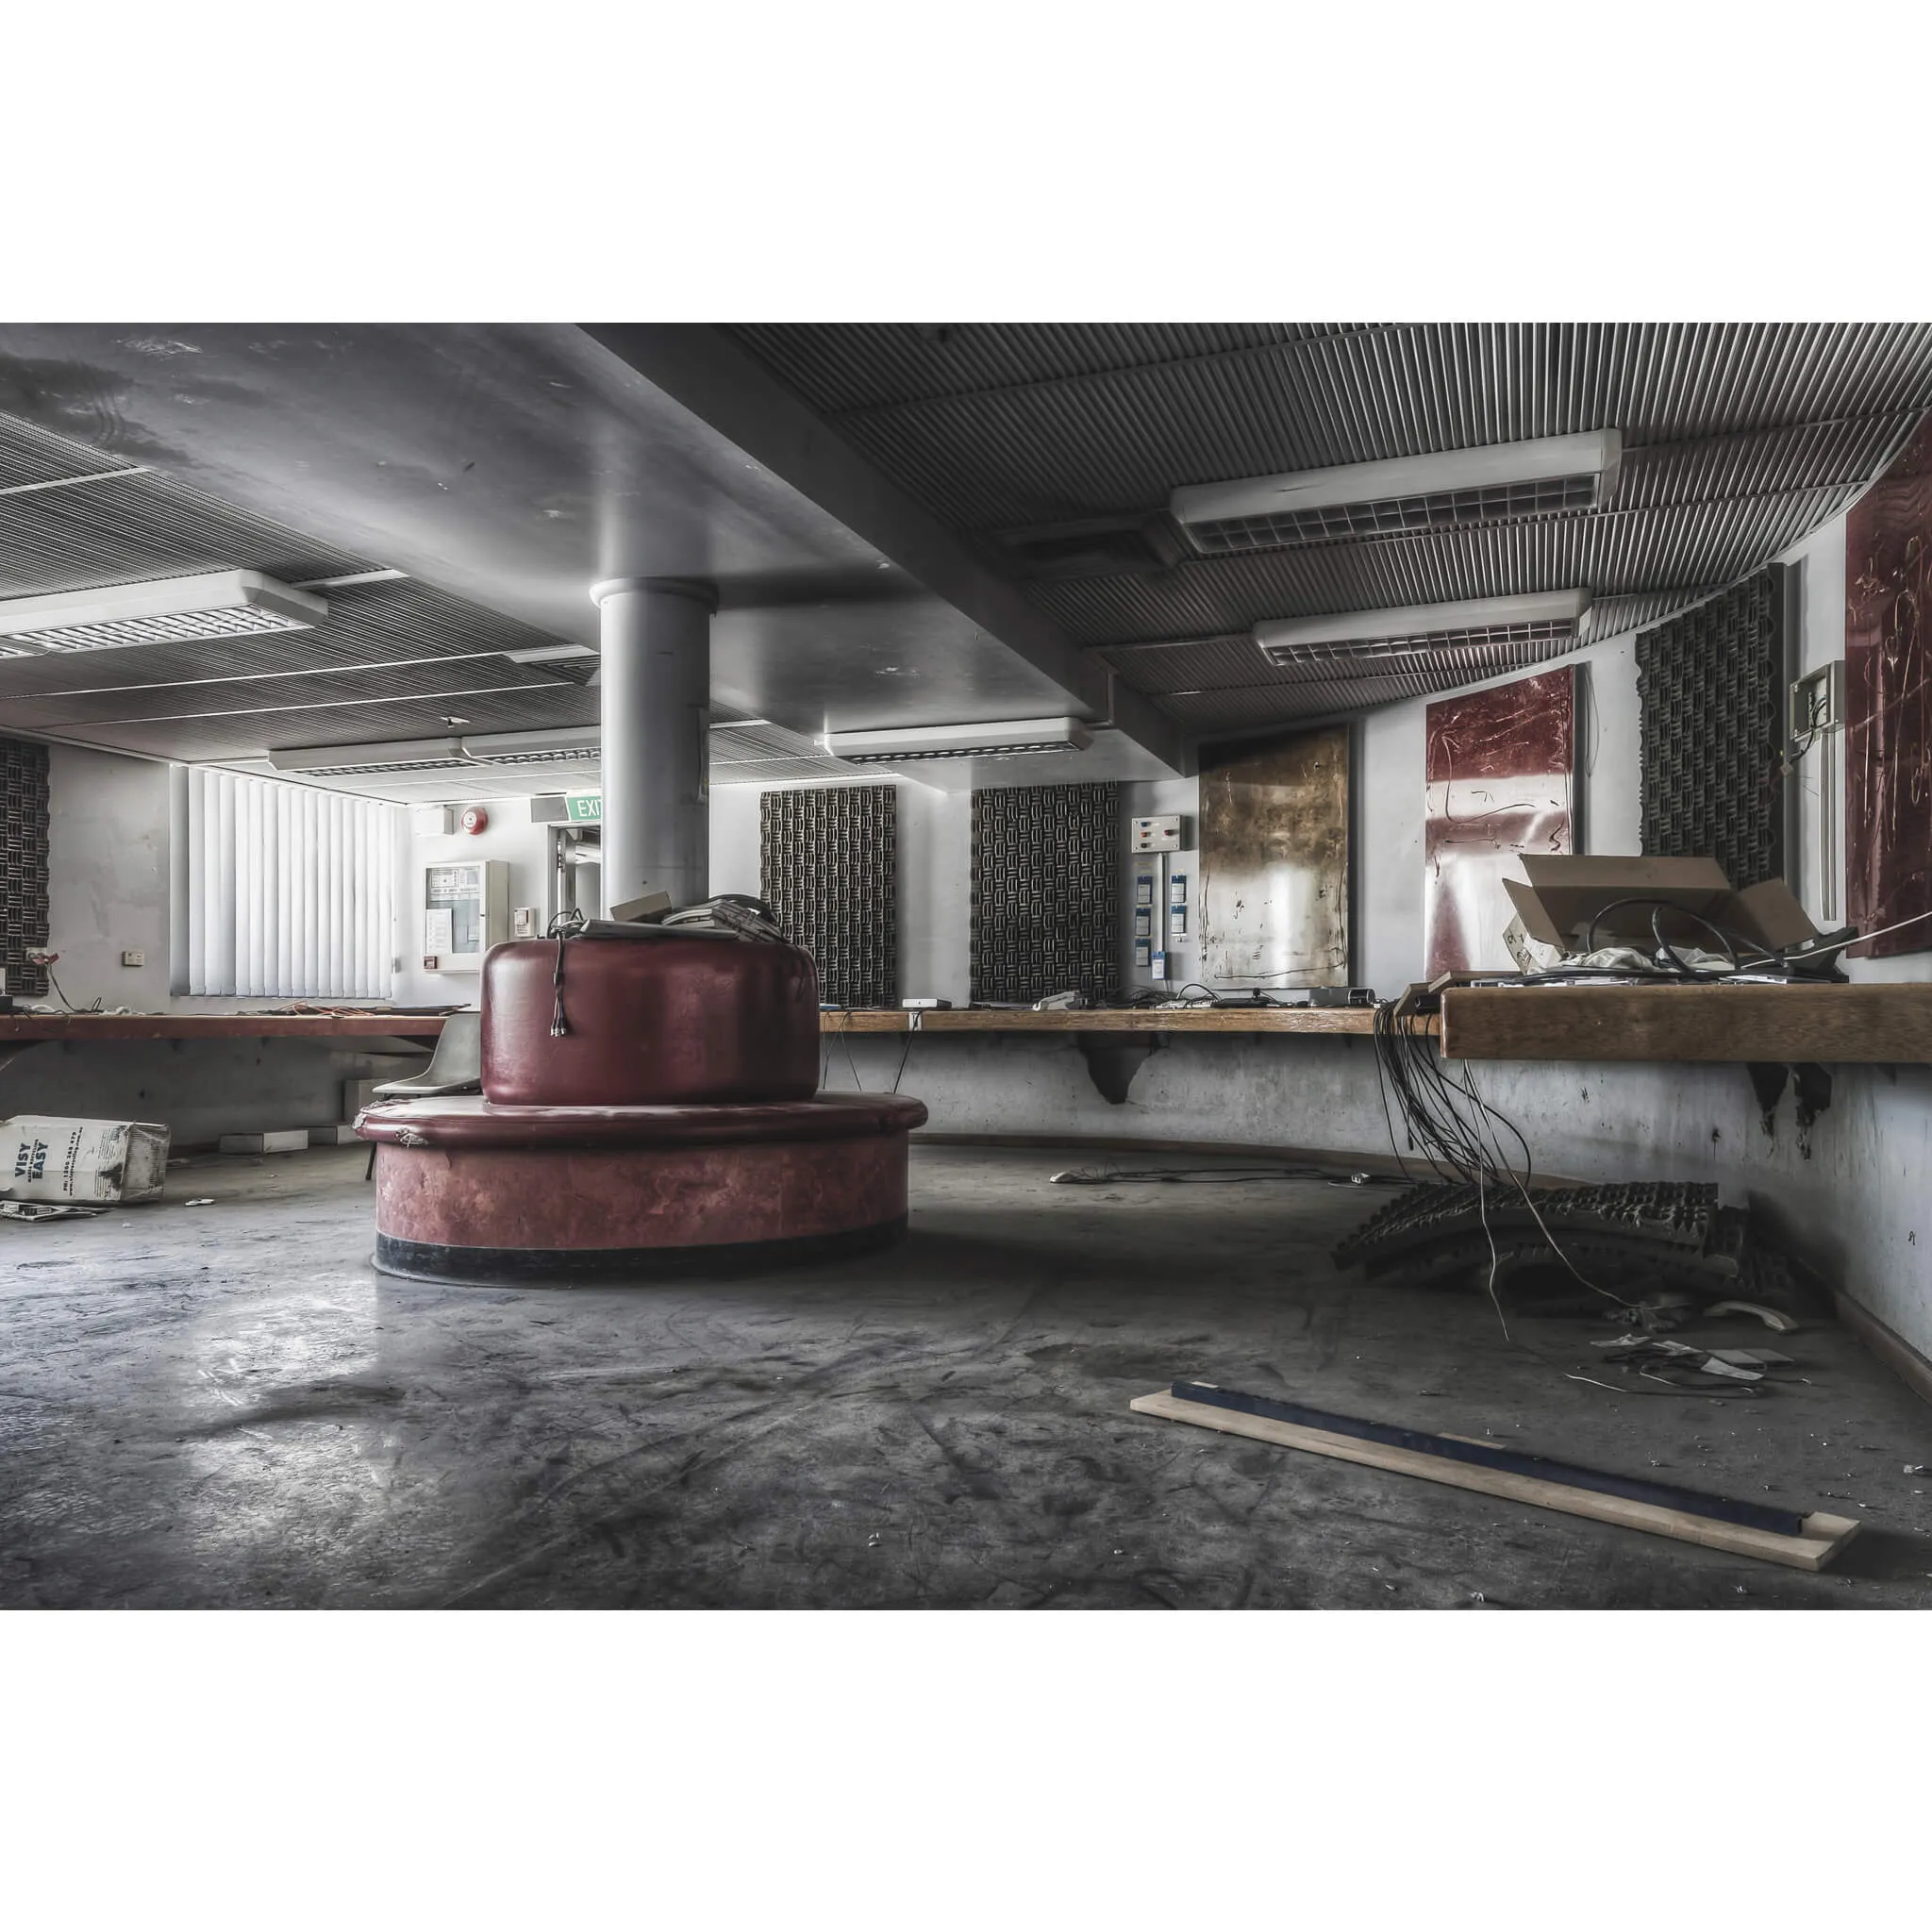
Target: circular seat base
x=603 y=1267
x=468 y=1191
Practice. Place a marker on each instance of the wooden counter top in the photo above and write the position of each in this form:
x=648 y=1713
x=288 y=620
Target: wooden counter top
x=1842 y=1024
x=29 y=1027
x=1110 y=1020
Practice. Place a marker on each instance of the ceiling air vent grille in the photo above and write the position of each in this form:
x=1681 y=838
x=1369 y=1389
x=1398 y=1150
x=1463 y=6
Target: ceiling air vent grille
x=574 y=754
x=1398 y=516
x=171 y=610
x=1538 y=616
x=1445 y=489
x=182 y=627
x=1423 y=645
x=386 y=765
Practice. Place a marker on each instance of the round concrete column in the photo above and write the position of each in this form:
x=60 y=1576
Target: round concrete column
x=656 y=684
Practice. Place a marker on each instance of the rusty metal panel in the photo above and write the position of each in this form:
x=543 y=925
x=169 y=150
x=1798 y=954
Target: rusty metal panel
x=1889 y=704
x=1500 y=769
x=1274 y=862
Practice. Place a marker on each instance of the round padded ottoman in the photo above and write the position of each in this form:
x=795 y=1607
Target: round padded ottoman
x=468 y=1190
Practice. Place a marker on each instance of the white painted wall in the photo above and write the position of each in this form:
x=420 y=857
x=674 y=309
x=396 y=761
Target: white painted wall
x=107 y=877
x=510 y=837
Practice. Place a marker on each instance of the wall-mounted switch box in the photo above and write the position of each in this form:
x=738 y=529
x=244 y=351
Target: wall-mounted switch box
x=1143 y=922
x=1156 y=835
x=1143 y=888
x=1177 y=889
x=1817 y=702
x=436 y=821
x=134 y=957
x=1143 y=952
x=1176 y=921
x=529 y=923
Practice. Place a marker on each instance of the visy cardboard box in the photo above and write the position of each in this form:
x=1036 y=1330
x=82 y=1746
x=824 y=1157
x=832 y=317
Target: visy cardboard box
x=44 y=1158
x=1558 y=896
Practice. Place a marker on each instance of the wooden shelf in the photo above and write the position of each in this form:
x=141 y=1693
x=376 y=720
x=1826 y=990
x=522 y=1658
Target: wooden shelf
x=1110 y=1020
x=1844 y=1023
x=30 y=1028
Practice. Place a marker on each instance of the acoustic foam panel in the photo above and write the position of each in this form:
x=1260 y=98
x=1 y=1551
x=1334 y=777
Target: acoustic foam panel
x=1499 y=778
x=1888 y=743
x=1045 y=892
x=1274 y=862
x=828 y=866
x=1711 y=690
x=22 y=863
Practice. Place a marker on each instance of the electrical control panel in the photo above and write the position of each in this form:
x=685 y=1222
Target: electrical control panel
x=1155 y=834
x=465 y=912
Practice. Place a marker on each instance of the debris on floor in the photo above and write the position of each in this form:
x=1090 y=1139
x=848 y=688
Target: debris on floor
x=1804 y=1541
x=51 y=1158
x=1665 y=1250
x=48 y=1210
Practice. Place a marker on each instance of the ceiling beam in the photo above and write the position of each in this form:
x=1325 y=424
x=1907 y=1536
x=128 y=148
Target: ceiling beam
x=704 y=372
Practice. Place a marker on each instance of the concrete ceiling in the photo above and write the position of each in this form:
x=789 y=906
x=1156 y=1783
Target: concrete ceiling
x=870 y=500
x=502 y=471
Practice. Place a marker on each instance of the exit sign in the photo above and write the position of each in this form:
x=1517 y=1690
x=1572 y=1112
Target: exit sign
x=584 y=808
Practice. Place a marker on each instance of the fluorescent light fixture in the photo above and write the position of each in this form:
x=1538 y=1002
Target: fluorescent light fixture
x=904 y=743
x=349 y=761
x=223 y=603
x=549 y=654
x=1502 y=482
x=568 y=744
x=1542 y=615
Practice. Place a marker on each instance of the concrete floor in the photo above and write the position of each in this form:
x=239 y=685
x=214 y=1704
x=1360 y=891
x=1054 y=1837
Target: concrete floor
x=225 y=1405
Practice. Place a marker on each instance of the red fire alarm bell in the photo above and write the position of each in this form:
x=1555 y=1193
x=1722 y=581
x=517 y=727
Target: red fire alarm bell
x=475 y=819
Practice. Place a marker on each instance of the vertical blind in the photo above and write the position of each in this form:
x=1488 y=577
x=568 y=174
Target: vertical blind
x=286 y=891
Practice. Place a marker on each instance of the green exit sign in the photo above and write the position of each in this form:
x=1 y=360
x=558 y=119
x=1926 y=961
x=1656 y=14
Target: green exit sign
x=584 y=808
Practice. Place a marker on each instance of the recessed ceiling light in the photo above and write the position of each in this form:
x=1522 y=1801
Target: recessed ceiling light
x=456 y=721
x=220 y=604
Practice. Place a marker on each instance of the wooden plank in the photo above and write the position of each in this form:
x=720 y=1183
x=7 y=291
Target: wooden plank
x=1824 y=1536
x=1844 y=1023
x=1328 y=1020
x=38 y=1026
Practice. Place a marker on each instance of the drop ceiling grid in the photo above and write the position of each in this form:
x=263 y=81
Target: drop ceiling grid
x=29 y=454
x=214 y=740
x=858 y=366
x=1630 y=553
x=283 y=696
x=132 y=527
x=1119 y=440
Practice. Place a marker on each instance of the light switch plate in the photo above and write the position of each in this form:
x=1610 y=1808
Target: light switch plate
x=133 y=955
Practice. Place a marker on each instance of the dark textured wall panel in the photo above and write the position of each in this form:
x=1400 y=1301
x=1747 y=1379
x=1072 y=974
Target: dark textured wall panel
x=829 y=865
x=1046 y=886
x=1710 y=690
x=23 y=862
x=1889 y=704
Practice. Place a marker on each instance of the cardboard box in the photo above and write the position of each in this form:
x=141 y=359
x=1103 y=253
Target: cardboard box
x=45 y=1158
x=1557 y=897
